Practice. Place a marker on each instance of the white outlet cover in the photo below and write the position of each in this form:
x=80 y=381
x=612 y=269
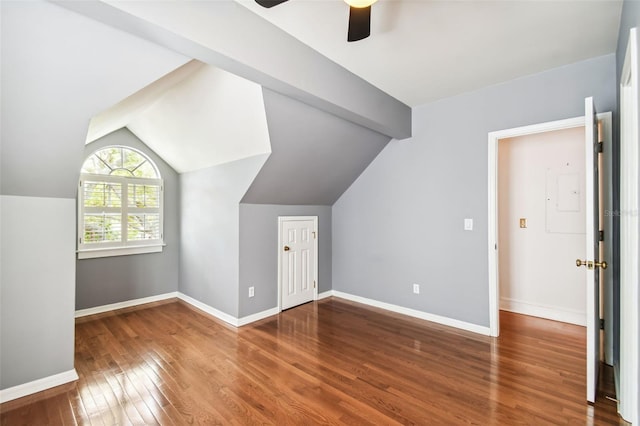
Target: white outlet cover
x=468 y=224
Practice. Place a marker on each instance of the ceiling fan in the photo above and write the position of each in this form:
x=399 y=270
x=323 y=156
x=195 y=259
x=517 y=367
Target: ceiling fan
x=359 y=16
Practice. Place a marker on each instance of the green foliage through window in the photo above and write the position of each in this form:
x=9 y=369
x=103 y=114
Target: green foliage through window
x=120 y=199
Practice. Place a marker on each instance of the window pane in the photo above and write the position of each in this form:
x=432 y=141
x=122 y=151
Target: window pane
x=144 y=196
x=102 y=228
x=112 y=156
x=144 y=226
x=120 y=161
x=132 y=159
x=96 y=166
x=102 y=194
x=146 y=170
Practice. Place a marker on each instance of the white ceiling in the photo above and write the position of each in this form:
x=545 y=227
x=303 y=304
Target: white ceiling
x=194 y=117
x=423 y=50
x=419 y=51
x=210 y=118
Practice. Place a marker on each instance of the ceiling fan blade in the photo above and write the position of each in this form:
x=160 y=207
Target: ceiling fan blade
x=359 y=23
x=269 y=3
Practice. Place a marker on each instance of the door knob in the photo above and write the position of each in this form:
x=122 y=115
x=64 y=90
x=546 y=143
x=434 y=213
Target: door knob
x=591 y=264
x=602 y=264
x=286 y=248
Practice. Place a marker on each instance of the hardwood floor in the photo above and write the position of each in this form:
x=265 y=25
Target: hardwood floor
x=330 y=362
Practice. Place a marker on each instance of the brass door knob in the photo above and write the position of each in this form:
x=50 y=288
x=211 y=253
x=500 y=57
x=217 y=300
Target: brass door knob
x=286 y=248
x=591 y=264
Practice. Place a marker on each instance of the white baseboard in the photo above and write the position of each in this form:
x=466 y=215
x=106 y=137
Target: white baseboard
x=414 y=313
x=39 y=385
x=239 y=322
x=257 y=317
x=229 y=319
x=554 y=313
x=125 y=304
x=325 y=294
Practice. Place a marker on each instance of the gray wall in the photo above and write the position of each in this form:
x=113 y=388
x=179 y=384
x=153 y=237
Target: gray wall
x=315 y=156
x=209 y=231
x=57 y=70
x=108 y=280
x=401 y=222
x=259 y=252
x=36 y=291
x=630 y=18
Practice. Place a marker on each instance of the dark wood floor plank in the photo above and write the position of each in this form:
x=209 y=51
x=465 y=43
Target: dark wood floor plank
x=329 y=362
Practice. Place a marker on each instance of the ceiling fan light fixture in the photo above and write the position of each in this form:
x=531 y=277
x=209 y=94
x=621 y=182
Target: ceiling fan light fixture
x=360 y=3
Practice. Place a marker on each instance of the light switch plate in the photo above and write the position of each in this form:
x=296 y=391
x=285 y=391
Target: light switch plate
x=468 y=224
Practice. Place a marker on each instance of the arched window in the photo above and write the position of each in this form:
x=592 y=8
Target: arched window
x=119 y=204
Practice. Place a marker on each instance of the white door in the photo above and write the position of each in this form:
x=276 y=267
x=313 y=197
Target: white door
x=592 y=261
x=298 y=260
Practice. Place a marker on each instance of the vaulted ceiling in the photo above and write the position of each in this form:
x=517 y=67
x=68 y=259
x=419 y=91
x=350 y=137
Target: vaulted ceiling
x=419 y=51
x=196 y=116
x=210 y=110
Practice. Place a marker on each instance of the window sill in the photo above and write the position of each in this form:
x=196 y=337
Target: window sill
x=119 y=251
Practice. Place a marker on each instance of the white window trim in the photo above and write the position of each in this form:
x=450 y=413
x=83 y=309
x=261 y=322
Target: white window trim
x=122 y=248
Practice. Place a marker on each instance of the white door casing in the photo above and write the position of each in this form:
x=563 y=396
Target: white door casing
x=297 y=260
x=629 y=392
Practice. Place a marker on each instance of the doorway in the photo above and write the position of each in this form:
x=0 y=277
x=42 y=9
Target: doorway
x=493 y=139
x=595 y=265
x=541 y=227
x=297 y=260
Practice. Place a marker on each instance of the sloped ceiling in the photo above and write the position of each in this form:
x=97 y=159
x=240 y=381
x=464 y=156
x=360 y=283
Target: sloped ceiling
x=457 y=54
x=316 y=156
x=211 y=118
x=122 y=113
x=59 y=69
x=227 y=35
x=195 y=117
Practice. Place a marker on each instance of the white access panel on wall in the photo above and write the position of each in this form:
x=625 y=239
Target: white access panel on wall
x=565 y=202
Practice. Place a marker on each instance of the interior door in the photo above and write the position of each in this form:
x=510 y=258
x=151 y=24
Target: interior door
x=593 y=260
x=298 y=260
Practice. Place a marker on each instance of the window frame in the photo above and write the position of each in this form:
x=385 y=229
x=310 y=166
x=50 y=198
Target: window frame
x=124 y=246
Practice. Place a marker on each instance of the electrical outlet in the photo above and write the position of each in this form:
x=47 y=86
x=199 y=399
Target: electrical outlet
x=416 y=288
x=251 y=291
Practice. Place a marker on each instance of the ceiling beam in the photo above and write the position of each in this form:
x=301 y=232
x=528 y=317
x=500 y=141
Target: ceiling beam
x=225 y=34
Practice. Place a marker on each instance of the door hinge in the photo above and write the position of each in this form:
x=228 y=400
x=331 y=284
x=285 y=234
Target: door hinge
x=314 y=234
x=600 y=147
x=314 y=283
x=601 y=323
x=600 y=235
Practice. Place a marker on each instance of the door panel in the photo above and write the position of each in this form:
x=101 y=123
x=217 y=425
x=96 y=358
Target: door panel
x=592 y=248
x=298 y=261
